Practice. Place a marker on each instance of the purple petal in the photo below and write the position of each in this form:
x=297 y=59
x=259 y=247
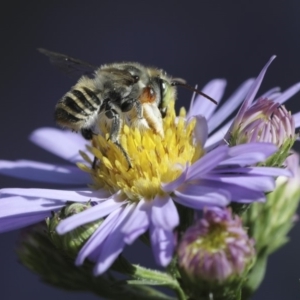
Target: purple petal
x=42 y=172
x=201 y=130
x=244 y=160
x=253 y=90
x=238 y=193
x=138 y=222
x=20 y=221
x=270 y=92
x=200 y=196
x=16 y=205
x=218 y=136
x=296 y=118
x=75 y=195
x=207 y=162
x=99 y=236
x=287 y=94
x=273 y=96
x=229 y=106
x=202 y=106
x=164 y=213
x=162 y=245
x=64 y=144
x=264 y=171
x=266 y=148
x=91 y=214
x=113 y=244
x=110 y=250
x=256 y=183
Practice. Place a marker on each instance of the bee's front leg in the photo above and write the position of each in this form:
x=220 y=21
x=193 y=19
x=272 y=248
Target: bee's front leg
x=116 y=126
x=88 y=134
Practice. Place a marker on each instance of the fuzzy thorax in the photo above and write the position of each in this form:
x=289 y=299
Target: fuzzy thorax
x=154 y=159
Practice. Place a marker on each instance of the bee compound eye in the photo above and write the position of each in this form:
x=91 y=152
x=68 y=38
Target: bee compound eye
x=136 y=78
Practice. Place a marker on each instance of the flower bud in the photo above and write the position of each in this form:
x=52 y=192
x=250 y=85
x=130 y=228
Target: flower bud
x=72 y=241
x=274 y=218
x=215 y=254
x=265 y=121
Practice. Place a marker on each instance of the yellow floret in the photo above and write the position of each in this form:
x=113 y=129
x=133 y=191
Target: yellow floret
x=154 y=160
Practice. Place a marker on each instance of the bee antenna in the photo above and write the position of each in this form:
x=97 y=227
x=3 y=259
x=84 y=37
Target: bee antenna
x=185 y=85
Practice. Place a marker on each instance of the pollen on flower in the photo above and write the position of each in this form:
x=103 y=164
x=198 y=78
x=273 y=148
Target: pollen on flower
x=154 y=160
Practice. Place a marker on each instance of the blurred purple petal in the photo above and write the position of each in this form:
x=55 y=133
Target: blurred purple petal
x=201 y=130
x=75 y=195
x=287 y=94
x=17 y=205
x=164 y=213
x=20 y=221
x=64 y=144
x=138 y=221
x=296 y=118
x=202 y=106
x=270 y=92
x=230 y=105
x=162 y=245
x=42 y=172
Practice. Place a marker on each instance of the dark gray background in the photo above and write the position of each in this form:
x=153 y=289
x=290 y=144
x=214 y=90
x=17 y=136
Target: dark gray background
x=196 y=40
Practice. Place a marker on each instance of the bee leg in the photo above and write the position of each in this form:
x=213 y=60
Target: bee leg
x=87 y=133
x=115 y=130
x=94 y=162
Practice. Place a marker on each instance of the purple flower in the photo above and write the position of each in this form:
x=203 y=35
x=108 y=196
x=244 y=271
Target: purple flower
x=216 y=115
x=175 y=169
x=264 y=121
x=216 y=249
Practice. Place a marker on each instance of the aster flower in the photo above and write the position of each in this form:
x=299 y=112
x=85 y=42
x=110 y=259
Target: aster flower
x=165 y=171
x=143 y=197
x=255 y=111
x=214 y=253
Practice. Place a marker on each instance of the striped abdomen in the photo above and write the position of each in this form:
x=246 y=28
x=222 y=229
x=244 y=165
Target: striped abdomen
x=78 y=108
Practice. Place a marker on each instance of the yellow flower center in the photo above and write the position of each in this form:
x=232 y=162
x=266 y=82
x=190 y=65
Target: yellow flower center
x=154 y=160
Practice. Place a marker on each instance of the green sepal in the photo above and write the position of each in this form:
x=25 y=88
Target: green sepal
x=255 y=276
x=204 y=290
x=278 y=158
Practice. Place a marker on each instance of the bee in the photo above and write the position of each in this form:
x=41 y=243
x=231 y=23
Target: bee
x=112 y=95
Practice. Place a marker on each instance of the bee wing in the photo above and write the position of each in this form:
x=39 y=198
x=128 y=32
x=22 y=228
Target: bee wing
x=70 y=66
